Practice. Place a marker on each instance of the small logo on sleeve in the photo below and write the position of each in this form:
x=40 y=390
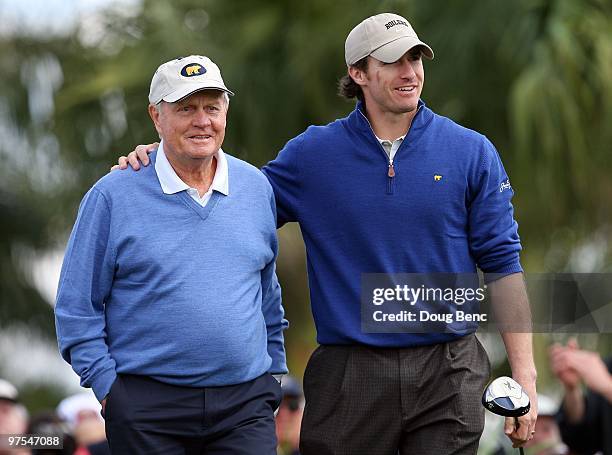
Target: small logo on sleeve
x=505 y=186
x=193 y=69
x=437 y=177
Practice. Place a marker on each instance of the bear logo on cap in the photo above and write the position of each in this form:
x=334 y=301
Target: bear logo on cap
x=193 y=69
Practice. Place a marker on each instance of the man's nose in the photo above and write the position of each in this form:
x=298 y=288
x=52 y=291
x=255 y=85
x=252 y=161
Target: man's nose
x=201 y=118
x=406 y=68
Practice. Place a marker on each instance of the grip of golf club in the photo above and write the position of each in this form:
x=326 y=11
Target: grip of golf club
x=516 y=426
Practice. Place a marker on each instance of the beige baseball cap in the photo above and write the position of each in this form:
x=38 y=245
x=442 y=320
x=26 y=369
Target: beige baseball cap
x=176 y=79
x=386 y=37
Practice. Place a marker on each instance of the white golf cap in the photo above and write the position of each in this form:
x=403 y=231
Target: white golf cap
x=386 y=37
x=71 y=407
x=176 y=79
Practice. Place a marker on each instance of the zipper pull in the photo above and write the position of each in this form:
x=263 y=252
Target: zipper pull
x=391 y=171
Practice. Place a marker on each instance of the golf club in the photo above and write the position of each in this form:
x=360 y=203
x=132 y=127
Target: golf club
x=505 y=397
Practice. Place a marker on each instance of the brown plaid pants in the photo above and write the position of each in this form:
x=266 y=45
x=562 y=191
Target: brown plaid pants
x=385 y=401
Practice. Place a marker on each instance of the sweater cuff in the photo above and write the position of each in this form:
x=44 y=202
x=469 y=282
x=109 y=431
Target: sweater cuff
x=514 y=267
x=278 y=367
x=102 y=383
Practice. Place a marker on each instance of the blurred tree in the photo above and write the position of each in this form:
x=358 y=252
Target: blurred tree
x=560 y=110
x=19 y=301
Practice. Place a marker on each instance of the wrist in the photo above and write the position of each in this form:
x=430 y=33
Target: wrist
x=526 y=377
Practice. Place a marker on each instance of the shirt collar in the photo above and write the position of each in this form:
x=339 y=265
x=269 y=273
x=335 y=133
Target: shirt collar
x=424 y=116
x=171 y=183
x=401 y=138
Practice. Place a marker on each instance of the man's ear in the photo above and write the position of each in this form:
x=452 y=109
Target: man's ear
x=155 y=114
x=358 y=75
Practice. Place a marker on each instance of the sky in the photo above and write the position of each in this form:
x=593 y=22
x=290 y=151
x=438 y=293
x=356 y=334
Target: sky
x=41 y=17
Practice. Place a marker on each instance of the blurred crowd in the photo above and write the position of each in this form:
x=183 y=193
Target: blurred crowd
x=76 y=419
x=580 y=423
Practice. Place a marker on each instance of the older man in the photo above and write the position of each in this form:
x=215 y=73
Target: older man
x=178 y=329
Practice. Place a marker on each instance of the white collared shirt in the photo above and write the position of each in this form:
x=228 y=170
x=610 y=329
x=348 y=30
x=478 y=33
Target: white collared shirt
x=391 y=146
x=171 y=183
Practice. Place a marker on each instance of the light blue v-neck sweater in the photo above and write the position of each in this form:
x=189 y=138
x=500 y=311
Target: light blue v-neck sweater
x=154 y=284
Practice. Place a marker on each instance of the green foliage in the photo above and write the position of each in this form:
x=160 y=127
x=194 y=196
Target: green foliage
x=560 y=107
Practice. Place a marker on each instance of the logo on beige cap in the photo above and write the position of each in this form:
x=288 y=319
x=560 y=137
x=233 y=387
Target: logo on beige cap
x=394 y=23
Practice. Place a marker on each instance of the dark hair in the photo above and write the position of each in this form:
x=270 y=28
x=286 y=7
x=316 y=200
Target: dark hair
x=347 y=87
